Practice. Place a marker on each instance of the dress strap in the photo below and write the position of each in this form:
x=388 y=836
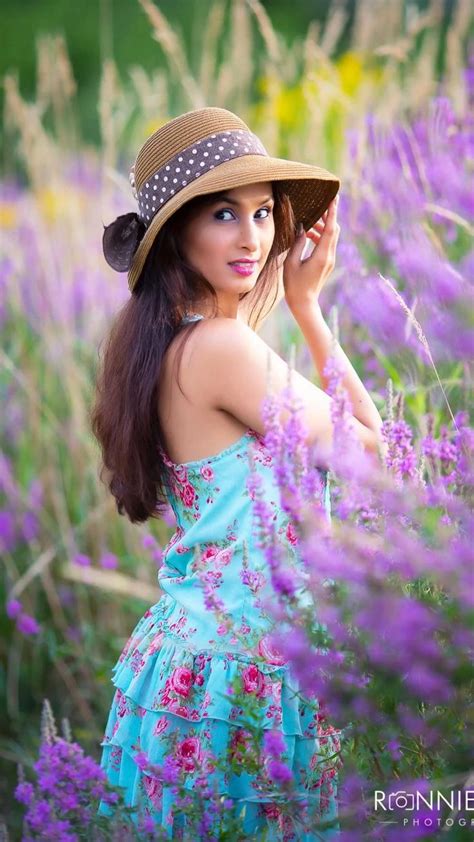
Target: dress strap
x=191 y=317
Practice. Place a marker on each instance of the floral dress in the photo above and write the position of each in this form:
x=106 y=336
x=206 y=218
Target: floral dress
x=200 y=660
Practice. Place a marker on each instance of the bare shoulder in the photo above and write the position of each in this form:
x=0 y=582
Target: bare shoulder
x=222 y=330
x=238 y=370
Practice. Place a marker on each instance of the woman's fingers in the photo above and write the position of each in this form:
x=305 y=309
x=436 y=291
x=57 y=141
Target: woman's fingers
x=325 y=224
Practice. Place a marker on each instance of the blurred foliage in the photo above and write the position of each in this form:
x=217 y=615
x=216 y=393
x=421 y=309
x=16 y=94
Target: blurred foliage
x=119 y=29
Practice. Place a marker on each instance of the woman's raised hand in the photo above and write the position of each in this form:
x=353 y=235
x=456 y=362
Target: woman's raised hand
x=303 y=280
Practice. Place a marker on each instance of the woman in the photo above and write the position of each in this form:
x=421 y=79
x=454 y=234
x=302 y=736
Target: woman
x=178 y=415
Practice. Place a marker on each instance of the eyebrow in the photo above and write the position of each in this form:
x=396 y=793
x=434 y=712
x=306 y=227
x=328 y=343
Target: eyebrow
x=234 y=202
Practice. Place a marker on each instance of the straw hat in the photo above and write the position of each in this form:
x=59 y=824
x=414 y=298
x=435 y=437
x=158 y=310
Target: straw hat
x=206 y=151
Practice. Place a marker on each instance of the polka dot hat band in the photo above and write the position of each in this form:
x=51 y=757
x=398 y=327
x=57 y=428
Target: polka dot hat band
x=207 y=151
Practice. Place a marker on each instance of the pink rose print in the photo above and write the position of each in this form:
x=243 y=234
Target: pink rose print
x=271 y=654
x=271 y=811
x=137 y=662
x=292 y=535
x=223 y=558
x=253 y=680
x=187 y=494
x=181 y=473
x=154 y=789
x=209 y=552
x=155 y=644
x=188 y=753
x=182 y=550
x=240 y=744
x=181 y=680
x=121 y=704
x=207 y=473
x=160 y=726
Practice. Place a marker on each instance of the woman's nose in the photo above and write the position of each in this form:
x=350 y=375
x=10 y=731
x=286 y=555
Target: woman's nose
x=249 y=235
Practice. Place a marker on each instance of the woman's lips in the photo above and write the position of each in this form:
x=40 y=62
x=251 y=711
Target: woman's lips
x=243 y=267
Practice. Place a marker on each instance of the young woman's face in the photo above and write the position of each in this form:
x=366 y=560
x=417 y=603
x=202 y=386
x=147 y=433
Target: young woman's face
x=229 y=240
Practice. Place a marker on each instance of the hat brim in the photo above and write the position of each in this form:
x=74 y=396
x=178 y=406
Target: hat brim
x=310 y=190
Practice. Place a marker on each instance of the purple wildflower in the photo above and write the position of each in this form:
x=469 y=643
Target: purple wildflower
x=14 y=608
x=81 y=560
x=273 y=743
x=108 y=561
x=27 y=625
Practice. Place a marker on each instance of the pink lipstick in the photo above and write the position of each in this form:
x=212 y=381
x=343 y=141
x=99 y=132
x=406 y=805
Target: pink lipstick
x=243 y=267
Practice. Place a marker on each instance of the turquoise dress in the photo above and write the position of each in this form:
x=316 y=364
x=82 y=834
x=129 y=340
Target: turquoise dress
x=201 y=656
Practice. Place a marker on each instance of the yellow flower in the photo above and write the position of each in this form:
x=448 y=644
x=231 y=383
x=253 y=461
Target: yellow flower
x=8 y=215
x=52 y=203
x=351 y=71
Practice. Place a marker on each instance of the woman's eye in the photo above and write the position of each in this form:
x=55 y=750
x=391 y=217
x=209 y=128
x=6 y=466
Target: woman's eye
x=220 y=214
x=267 y=212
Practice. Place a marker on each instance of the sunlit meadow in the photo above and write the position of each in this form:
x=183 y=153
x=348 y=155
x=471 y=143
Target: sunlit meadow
x=391 y=580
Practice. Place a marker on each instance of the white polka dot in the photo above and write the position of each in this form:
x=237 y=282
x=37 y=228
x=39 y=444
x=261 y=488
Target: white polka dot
x=246 y=149
x=180 y=159
x=178 y=169
x=161 y=200
x=212 y=135
x=147 y=185
x=202 y=164
x=163 y=189
x=155 y=187
x=211 y=166
x=184 y=182
x=148 y=217
x=236 y=143
x=194 y=153
x=232 y=151
x=167 y=167
x=156 y=177
x=165 y=178
x=206 y=154
x=172 y=192
x=153 y=208
x=188 y=172
x=209 y=144
x=146 y=207
x=146 y=195
x=221 y=148
x=175 y=180
x=197 y=174
x=191 y=160
x=216 y=157
x=224 y=139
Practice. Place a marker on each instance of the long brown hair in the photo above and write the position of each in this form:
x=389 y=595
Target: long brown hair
x=124 y=416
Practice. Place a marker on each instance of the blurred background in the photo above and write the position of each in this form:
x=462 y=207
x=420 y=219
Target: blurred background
x=379 y=92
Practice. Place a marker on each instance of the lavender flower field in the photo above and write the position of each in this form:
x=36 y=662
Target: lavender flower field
x=391 y=578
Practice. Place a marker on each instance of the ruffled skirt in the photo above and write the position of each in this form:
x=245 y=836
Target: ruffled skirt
x=194 y=709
